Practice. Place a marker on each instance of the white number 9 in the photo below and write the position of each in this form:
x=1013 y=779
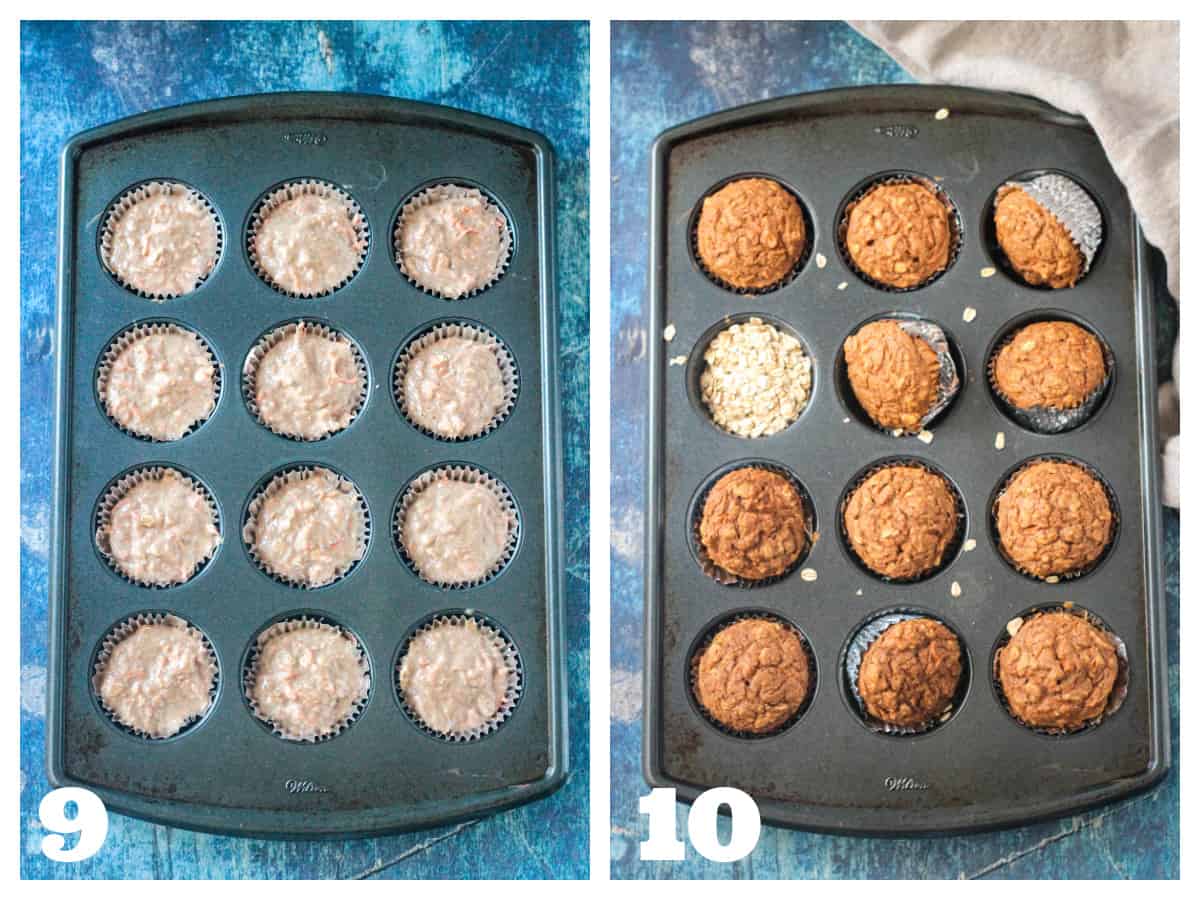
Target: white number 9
x=90 y=820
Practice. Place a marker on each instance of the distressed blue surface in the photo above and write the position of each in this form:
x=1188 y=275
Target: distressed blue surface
x=664 y=74
x=78 y=75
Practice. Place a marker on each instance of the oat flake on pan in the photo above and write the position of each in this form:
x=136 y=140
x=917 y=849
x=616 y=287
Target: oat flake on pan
x=756 y=379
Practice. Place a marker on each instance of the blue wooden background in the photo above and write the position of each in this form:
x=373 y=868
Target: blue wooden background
x=77 y=75
x=664 y=74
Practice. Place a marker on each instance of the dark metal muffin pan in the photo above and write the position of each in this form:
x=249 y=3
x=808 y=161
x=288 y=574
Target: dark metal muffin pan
x=229 y=773
x=981 y=769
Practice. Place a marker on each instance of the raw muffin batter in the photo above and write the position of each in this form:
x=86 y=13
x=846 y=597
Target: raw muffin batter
x=454 y=387
x=910 y=673
x=751 y=233
x=160 y=384
x=899 y=234
x=456 y=532
x=1056 y=365
x=894 y=375
x=308 y=243
x=452 y=241
x=455 y=677
x=157 y=679
x=308 y=384
x=753 y=524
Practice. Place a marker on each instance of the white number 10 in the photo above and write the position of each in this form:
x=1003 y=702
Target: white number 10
x=90 y=820
x=662 y=844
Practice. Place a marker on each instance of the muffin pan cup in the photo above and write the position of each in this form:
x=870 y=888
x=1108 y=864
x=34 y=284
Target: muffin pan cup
x=229 y=773
x=980 y=769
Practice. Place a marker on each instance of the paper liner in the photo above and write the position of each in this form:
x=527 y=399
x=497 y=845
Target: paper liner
x=702 y=645
x=1112 y=506
x=1120 y=686
x=797 y=267
x=125 y=201
x=250 y=673
x=470 y=475
x=127 y=337
x=118 y=489
x=1071 y=204
x=281 y=479
x=471 y=331
x=728 y=579
x=255 y=357
x=318 y=188
x=516 y=677
x=856 y=649
x=956 y=230
x=441 y=192
x=1045 y=419
x=124 y=629
x=960 y=521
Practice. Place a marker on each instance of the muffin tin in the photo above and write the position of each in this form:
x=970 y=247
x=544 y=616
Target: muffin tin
x=228 y=773
x=979 y=769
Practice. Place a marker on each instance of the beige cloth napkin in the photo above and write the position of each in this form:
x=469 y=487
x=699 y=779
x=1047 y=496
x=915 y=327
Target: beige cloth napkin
x=1122 y=76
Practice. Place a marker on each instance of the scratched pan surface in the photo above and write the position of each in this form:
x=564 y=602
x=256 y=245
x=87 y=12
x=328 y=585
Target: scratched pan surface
x=230 y=773
x=981 y=769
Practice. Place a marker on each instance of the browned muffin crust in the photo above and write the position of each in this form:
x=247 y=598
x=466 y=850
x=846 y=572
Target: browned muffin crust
x=753 y=676
x=1038 y=246
x=753 y=524
x=900 y=521
x=894 y=374
x=910 y=673
x=1053 y=519
x=751 y=233
x=1056 y=365
x=1058 y=671
x=899 y=234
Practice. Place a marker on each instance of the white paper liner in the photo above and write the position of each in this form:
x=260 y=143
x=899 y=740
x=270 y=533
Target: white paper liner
x=1073 y=206
x=127 y=337
x=122 y=205
x=113 y=494
x=442 y=192
x=318 y=188
x=124 y=629
x=255 y=357
x=282 y=479
x=250 y=673
x=516 y=678
x=469 y=331
x=470 y=475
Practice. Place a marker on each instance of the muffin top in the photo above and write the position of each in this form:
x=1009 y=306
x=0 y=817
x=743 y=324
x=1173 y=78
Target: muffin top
x=455 y=676
x=1053 y=519
x=158 y=678
x=1056 y=365
x=452 y=241
x=753 y=676
x=163 y=242
x=1058 y=671
x=894 y=375
x=1038 y=246
x=161 y=530
x=456 y=532
x=306 y=243
x=753 y=525
x=900 y=521
x=899 y=234
x=751 y=233
x=309 y=527
x=910 y=673
x=308 y=680
x=160 y=384
x=308 y=384
x=454 y=387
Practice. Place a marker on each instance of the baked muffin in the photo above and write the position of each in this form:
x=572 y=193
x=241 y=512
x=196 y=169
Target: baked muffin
x=751 y=233
x=753 y=524
x=899 y=234
x=307 y=680
x=157 y=678
x=308 y=238
x=457 y=677
x=455 y=531
x=900 y=521
x=894 y=374
x=909 y=675
x=161 y=239
x=1053 y=519
x=1058 y=671
x=452 y=241
x=454 y=386
x=1038 y=246
x=1052 y=365
x=753 y=676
